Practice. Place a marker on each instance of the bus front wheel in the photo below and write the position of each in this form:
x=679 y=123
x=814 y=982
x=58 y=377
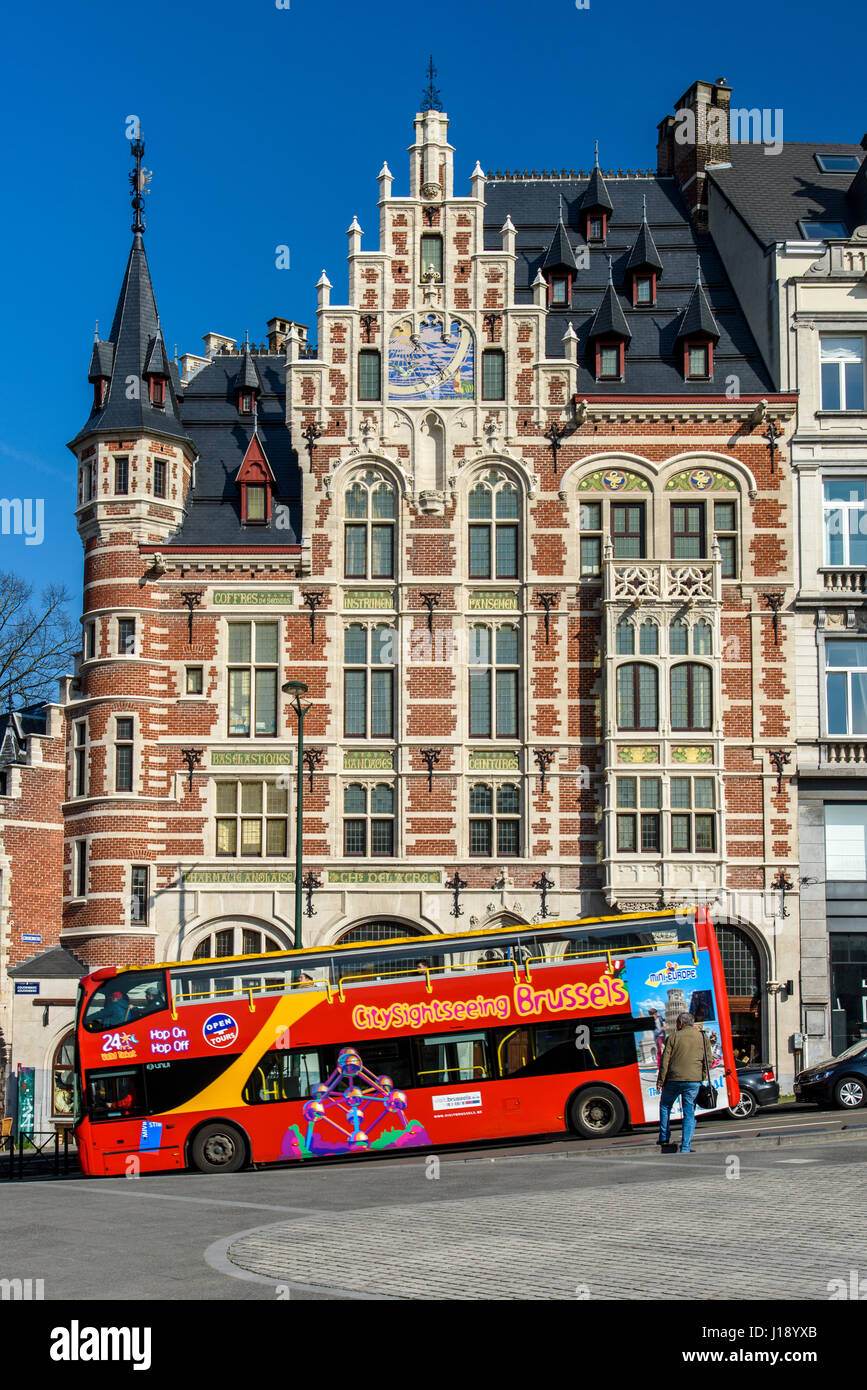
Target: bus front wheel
x=597 y=1113
x=218 y=1148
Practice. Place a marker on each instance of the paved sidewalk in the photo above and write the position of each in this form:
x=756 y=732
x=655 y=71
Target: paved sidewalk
x=678 y=1234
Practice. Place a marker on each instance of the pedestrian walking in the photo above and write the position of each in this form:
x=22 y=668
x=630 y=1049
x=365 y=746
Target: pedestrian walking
x=684 y=1062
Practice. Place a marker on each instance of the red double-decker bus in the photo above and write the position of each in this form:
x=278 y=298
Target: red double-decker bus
x=411 y=1043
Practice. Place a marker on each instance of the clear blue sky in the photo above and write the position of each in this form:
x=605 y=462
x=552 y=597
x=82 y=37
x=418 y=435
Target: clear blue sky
x=267 y=126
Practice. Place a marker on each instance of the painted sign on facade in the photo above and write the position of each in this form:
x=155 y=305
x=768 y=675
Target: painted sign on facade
x=493 y=762
x=237 y=876
x=368 y=599
x=493 y=598
x=253 y=598
x=250 y=757
x=379 y=761
x=383 y=876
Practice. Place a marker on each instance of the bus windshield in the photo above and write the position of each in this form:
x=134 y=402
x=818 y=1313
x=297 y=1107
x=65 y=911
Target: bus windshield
x=125 y=998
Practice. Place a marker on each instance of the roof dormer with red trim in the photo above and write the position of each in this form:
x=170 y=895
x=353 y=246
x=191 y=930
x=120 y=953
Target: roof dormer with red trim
x=247 y=385
x=156 y=373
x=596 y=207
x=256 y=480
x=643 y=267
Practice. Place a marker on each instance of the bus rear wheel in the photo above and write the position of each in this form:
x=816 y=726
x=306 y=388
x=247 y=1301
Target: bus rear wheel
x=597 y=1113
x=218 y=1148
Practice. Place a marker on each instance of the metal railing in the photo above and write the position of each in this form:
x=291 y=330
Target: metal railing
x=42 y=1151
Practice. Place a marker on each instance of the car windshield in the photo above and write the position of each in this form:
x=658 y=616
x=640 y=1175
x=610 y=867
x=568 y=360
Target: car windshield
x=852 y=1051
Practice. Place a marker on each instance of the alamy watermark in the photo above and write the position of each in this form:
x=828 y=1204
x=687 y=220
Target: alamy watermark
x=23 y=516
x=718 y=125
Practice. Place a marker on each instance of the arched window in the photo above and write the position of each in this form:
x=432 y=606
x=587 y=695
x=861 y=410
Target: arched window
x=702 y=638
x=236 y=940
x=493 y=510
x=494 y=665
x=369 y=507
x=648 y=639
x=743 y=977
x=380 y=931
x=691 y=700
x=368 y=820
x=637 y=696
x=63 y=1078
x=678 y=638
x=625 y=638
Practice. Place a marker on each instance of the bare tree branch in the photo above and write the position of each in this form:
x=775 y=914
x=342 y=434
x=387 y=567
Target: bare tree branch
x=37 y=642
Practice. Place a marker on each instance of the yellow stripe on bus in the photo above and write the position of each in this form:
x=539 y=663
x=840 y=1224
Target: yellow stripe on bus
x=225 y=1092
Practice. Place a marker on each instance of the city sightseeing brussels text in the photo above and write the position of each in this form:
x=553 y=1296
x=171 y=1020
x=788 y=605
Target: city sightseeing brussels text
x=604 y=993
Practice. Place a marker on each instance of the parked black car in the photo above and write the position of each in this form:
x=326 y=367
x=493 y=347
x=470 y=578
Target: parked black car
x=758 y=1086
x=840 y=1081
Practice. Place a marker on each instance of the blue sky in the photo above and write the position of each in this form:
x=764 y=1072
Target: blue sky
x=267 y=126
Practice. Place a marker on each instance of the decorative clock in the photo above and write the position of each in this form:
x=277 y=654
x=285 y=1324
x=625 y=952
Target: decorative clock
x=432 y=364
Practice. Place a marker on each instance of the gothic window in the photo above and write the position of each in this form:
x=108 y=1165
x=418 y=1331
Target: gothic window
x=637 y=696
x=368 y=681
x=493 y=530
x=369 y=508
x=369 y=375
x=493 y=375
x=253 y=670
x=691 y=699
x=431 y=255
x=251 y=819
x=494 y=669
x=368 y=820
x=495 y=820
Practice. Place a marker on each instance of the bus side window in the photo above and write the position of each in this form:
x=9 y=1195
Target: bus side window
x=516 y=1051
x=453 y=1057
x=283 y=1075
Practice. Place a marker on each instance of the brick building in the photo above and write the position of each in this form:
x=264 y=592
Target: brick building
x=514 y=520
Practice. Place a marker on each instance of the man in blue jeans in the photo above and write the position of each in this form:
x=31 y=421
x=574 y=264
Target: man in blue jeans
x=680 y=1074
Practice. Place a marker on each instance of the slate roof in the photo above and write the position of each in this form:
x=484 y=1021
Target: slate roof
x=609 y=318
x=57 y=963
x=247 y=378
x=771 y=192
x=653 y=366
x=222 y=436
x=644 y=255
x=560 y=255
x=595 y=195
x=16 y=727
x=135 y=339
x=698 y=319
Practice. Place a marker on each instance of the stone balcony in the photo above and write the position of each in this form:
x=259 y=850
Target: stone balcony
x=677 y=582
x=843 y=752
x=843 y=581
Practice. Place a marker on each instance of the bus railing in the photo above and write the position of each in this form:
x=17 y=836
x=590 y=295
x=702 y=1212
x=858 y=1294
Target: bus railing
x=519 y=969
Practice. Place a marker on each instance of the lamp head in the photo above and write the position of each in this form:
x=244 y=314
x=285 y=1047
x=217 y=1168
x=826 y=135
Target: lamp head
x=296 y=688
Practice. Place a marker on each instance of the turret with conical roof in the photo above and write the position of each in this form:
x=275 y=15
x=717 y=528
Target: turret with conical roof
x=133 y=448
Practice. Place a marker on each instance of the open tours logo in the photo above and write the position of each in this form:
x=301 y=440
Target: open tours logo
x=220 y=1030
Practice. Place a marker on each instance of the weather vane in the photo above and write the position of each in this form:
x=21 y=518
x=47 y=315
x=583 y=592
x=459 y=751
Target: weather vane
x=430 y=100
x=139 y=179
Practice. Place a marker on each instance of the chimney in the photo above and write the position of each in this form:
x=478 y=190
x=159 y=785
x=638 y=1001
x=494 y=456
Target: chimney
x=697 y=135
x=277 y=333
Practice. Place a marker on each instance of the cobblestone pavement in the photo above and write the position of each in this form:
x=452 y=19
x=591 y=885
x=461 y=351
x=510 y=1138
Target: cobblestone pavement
x=766 y=1234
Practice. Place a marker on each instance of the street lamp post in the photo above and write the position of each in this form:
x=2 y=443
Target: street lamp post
x=296 y=689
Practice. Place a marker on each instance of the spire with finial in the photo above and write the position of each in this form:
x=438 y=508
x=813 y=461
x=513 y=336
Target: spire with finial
x=697 y=269
x=596 y=154
x=610 y=260
x=561 y=207
x=430 y=100
x=139 y=180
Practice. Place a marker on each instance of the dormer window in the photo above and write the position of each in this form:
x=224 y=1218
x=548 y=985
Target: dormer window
x=254 y=503
x=596 y=226
x=157 y=386
x=609 y=361
x=697 y=361
x=245 y=402
x=560 y=290
x=644 y=289
x=100 y=391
